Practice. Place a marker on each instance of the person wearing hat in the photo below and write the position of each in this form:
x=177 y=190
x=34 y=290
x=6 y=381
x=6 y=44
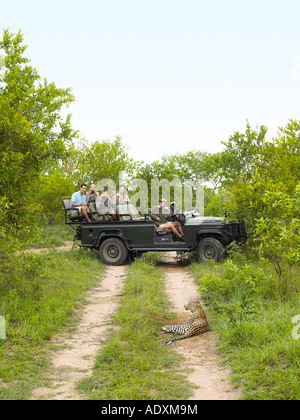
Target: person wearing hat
x=173 y=208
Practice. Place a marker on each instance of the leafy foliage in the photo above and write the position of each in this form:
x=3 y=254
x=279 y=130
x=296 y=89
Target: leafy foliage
x=254 y=325
x=99 y=160
x=235 y=292
x=32 y=132
x=279 y=236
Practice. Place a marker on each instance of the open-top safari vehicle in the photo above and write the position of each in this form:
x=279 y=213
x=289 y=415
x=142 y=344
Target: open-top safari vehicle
x=133 y=233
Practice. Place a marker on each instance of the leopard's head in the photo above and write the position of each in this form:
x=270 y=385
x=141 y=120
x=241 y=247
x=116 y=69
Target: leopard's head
x=193 y=305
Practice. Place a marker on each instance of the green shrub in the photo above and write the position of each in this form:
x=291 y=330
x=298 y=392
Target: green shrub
x=254 y=326
x=235 y=293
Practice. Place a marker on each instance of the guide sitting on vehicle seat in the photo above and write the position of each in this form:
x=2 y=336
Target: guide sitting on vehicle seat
x=163 y=221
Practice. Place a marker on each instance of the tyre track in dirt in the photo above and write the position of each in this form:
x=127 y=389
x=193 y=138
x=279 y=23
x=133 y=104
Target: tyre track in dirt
x=77 y=356
x=67 y=247
x=200 y=352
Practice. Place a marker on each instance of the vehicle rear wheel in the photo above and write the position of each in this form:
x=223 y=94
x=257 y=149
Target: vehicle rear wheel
x=113 y=252
x=210 y=249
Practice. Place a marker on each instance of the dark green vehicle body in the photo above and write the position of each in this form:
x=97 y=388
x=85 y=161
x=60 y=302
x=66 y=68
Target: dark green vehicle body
x=208 y=236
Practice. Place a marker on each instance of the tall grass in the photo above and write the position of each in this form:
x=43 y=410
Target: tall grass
x=255 y=327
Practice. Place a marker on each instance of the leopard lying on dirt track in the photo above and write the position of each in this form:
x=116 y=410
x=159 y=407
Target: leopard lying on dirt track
x=196 y=323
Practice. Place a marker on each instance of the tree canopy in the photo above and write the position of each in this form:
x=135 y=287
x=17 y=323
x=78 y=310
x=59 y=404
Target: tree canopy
x=33 y=134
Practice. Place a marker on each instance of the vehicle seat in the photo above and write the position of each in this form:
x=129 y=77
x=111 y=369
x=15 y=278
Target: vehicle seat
x=70 y=215
x=161 y=232
x=95 y=215
x=127 y=211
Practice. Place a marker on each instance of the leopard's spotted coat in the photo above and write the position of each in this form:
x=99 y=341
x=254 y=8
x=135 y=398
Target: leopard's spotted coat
x=196 y=323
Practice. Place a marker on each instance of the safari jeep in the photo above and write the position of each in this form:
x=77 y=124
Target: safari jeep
x=134 y=233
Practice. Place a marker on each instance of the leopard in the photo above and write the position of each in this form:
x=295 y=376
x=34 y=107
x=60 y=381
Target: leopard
x=196 y=324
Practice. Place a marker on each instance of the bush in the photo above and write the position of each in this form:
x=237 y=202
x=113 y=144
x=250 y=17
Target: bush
x=235 y=292
x=254 y=327
x=51 y=188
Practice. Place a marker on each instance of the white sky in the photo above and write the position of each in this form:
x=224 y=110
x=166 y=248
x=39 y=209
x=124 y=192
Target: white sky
x=168 y=76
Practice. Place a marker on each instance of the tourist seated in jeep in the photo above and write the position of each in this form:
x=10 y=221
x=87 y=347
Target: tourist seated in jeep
x=122 y=196
x=92 y=195
x=105 y=205
x=166 y=221
x=78 y=202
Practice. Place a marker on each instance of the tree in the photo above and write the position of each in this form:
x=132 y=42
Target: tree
x=279 y=236
x=242 y=153
x=271 y=166
x=194 y=167
x=53 y=185
x=33 y=134
x=99 y=160
x=280 y=159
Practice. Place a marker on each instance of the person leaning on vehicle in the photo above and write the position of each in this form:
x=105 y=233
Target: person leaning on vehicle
x=78 y=201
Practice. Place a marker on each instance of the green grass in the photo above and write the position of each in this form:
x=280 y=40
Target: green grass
x=51 y=236
x=37 y=301
x=38 y=295
x=255 y=327
x=135 y=364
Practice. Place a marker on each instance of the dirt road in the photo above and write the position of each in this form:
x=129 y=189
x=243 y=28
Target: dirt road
x=76 y=360
x=200 y=353
x=78 y=354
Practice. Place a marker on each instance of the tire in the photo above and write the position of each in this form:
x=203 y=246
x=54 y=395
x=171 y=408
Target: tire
x=210 y=249
x=113 y=252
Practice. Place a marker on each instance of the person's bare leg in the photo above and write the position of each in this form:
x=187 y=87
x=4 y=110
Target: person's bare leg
x=114 y=216
x=84 y=212
x=178 y=224
x=172 y=227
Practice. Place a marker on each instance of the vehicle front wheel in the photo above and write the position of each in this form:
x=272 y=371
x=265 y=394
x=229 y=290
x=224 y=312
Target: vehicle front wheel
x=210 y=249
x=113 y=252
